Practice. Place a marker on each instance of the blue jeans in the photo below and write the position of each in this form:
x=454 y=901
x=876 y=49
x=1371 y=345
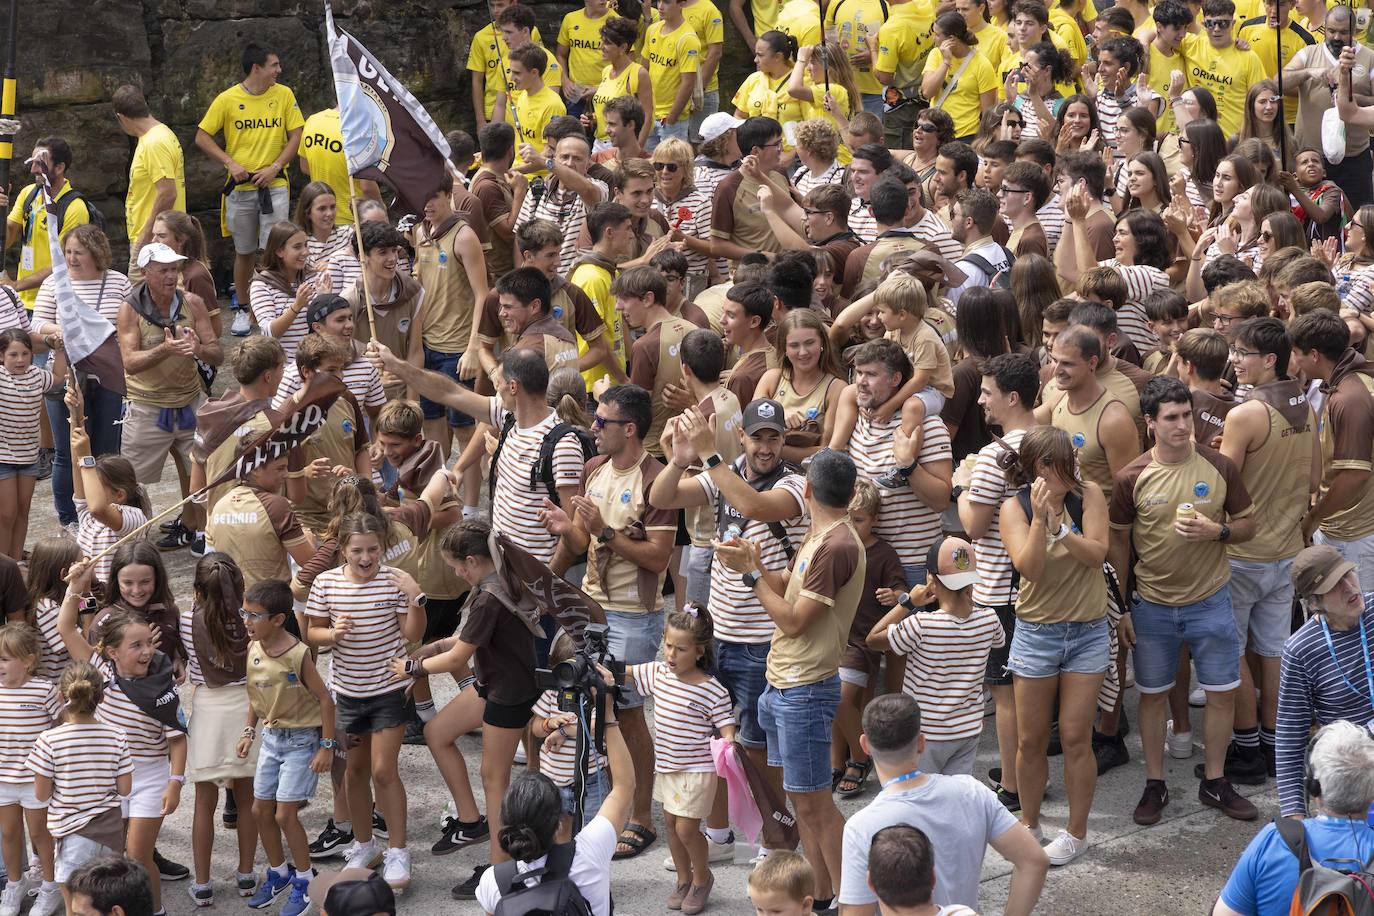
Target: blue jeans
x=104 y=409
x=284 y=772
x=598 y=786
x=445 y=364
x=1207 y=627
x=633 y=639
x=873 y=103
x=1068 y=647
x=663 y=131
x=797 y=721
x=710 y=104
x=743 y=668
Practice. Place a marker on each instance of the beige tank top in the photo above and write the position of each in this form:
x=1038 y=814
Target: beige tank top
x=1082 y=430
x=276 y=690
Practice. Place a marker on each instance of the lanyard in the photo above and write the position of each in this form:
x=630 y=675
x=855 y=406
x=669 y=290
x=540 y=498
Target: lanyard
x=903 y=778
x=1364 y=648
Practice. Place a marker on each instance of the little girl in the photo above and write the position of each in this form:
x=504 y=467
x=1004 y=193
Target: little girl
x=28 y=707
x=22 y=386
x=217 y=647
x=48 y=564
x=689 y=705
x=110 y=503
x=140 y=700
x=80 y=770
x=139 y=588
x=368 y=612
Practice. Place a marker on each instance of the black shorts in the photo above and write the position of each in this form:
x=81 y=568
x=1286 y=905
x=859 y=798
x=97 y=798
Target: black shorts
x=368 y=715
x=997 y=658
x=506 y=715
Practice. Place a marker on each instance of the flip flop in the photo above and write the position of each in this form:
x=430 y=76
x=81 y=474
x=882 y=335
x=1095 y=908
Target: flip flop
x=637 y=837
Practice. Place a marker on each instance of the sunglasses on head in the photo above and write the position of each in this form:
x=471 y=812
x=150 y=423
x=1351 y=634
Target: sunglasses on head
x=669 y=167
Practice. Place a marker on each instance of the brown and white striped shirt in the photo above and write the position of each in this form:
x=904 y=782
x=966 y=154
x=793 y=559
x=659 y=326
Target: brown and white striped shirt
x=26 y=712
x=945 y=670
x=685 y=717
x=905 y=522
x=318 y=252
x=93 y=537
x=83 y=762
x=359 y=666
x=22 y=396
x=104 y=294
x=515 y=505
x=55 y=655
x=360 y=377
x=989 y=487
x=559 y=764
x=147 y=737
x=269 y=304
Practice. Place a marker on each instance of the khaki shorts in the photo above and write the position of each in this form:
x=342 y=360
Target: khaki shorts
x=685 y=794
x=147 y=446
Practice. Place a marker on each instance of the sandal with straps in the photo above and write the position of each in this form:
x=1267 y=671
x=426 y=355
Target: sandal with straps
x=856 y=784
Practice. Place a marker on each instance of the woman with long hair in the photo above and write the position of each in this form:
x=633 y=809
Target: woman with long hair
x=980 y=324
x=807 y=382
x=1233 y=175
x=1201 y=147
x=1056 y=533
x=1240 y=234
x=1044 y=67
x=1140 y=242
x=1280 y=230
x=825 y=93
x=1262 y=157
x=1147 y=183
x=1000 y=122
x=622 y=76
x=283 y=286
x=1035 y=285
x=1262 y=122
x=1076 y=127
x=959 y=77
x=317 y=213
x=1135 y=134
x=1197 y=102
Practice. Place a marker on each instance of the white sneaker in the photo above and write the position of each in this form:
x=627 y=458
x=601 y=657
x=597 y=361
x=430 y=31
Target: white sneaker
x=13 y=897
x=1198 y=698
x=34 y=876
x=396 y=869
x=1180 y=744
x=48 y=902
x=72 y=530
x=1066 y=847
x=720 y=852
x=242 y=324
x=362 y=855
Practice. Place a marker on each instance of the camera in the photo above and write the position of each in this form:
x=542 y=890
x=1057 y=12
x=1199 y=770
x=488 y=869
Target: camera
x=578 y=678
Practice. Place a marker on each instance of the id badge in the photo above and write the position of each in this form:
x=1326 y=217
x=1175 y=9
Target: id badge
x=26 y=258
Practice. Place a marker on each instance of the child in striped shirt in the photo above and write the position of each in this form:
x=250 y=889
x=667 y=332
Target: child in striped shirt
x=46 y=580
x=28 y=707
x=80 y=770
x=110 y=503
x=558 y=753
x=22 y=386
x=689 y=705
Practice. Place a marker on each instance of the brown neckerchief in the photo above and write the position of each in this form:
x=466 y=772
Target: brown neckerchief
x=141 y=301
x=403 y=289
x=1350 y=363
x=275 y=279
x=417 y=470
x=595 y=259
x=433 y=235
x=520 y=603
x=215 y=673
x=221 y=418
x=647 y=581
x=1285 y=395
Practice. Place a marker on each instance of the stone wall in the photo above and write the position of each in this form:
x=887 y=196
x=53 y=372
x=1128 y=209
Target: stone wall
x=184 y=52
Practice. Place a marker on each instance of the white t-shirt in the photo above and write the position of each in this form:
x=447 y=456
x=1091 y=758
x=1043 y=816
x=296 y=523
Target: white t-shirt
x=591 y=869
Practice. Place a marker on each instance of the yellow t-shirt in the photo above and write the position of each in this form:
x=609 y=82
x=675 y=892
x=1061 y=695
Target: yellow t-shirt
x=1261 y=38
x=964 y=103
x=157 y=156
x=765 y=15
x=534 y=111
x=35 y=253
x=802 y=20
x=816 y=109
x=483 y=58
x=670 y=54
x=761 y=96
x=1161 y=68
x=706 y=21
x=993 y=44
x=322 y=149
x=1228 y=73
x=581 y=35
x=613 y=87
x=1062 y=24
x=855 y=24
x=596 y=283
x=903 y=42
x=254 y=126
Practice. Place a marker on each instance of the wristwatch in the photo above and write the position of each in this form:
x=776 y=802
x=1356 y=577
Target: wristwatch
x=906 y=602
x=87 y=461
x=1224 y=534
x=750 y=579
x=713 y=460
x=548 y=163
x=955 y=493
x=421 y=599
x=329 y=744
x=606 y=534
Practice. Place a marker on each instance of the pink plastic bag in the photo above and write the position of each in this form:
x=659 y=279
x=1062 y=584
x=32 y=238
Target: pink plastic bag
x=744 y=814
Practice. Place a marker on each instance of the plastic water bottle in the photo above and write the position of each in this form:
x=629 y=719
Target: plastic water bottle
x=733 y=532
x=1344 y=286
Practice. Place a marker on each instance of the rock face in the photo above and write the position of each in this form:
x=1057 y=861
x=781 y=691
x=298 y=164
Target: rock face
x=184 y=52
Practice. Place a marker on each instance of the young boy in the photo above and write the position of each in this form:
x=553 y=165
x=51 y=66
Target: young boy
x=1328 y=202
x=341 y=443
x=1106 y=285
x=782 y=885
x=901 y=871
x=947 y=655
x=1166 y=312
x=859 y=664
x=289 y=698
x=996 y=157
x=532 y=106
x=1203 y=355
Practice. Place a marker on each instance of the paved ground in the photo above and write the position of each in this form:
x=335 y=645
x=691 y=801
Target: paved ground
x=1176 y=867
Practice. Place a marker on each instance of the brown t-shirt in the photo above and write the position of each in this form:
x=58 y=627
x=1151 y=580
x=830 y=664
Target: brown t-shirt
x=504 y=660
x=692 y=313
x=1209 y=413
x=1146 y=494
x=547 y=337
x=744 y=377
x=571 y=308
x=839 y=246
x=961 y=409
x=1101 y=229
x=883 y=569
x=865 y=262
x=470 y=206
x=1347 y=441
x=496 y=198
x=829 y=568
x=736 y=215
x=1029 y=239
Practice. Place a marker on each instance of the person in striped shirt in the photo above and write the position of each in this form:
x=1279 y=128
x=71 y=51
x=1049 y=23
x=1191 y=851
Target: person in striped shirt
x=28 y=706
x=316 y=213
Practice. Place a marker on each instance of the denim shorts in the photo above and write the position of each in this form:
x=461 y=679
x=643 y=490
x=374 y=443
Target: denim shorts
x=743 y=668
x=368 y=715
x=1068 y=647
x=663 y=131
x=1207 y=627
x=914 y=574
x=797 y=721
x=18 y=470
x=633 y=639
x=1262 y=600
x=445 y=364
x=598 y=786
x=284 y=772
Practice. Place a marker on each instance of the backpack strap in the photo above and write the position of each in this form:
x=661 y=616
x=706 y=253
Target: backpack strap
x=507 y=877
x=560 y=860
x=543 y=468
x=1073 y=505
x=507 y=425
x=1294 y=836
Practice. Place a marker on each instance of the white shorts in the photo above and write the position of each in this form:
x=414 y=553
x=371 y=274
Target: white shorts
x=855 y=676
x=72 y=853
x=150 y=781
x=20 y=793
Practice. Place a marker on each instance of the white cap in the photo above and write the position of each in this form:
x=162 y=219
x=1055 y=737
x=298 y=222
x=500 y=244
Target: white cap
x=160 y=253
x=717 y=124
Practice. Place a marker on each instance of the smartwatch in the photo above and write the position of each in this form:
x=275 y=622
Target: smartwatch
x=713 y=460
x=906 y=602
x=750 y=579
x=329 y=744
x=87 y=461
x=421 y=599
x=606 y=534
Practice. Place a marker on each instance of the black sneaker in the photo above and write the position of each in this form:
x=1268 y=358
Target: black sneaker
x=169 y=870
x=468 y=889
x=1220 y=794
x=895 y=479
x=1270 y=764
x=169 y=525
x=378 y=824
x=177 y=538
x=231 y=810
x=198 y=546
x=1244 y=766
x=415 y=732
x=1010 y=800
x=1152 y=803
x=1110 y=751
x=458 y=834
x=331 y=842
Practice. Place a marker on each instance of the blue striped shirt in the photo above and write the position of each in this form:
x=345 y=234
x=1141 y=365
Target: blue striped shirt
x=1313 y=690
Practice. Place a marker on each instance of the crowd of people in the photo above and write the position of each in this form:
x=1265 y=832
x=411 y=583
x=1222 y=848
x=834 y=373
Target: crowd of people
x=975 y=355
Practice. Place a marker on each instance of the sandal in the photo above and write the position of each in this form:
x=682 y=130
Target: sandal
x=835 y=776
x=855 y=784
x=637 y=837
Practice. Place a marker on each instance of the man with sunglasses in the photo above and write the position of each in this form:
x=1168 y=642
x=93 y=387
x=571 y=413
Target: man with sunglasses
x=1219 y=66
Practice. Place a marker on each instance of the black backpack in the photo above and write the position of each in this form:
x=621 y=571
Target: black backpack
x=58 y=210
x=543 y=468
x=554 y=895
x=997 y=279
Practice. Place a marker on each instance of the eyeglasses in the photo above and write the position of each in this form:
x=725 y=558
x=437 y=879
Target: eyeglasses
x=1238 y=353
x=1266 y=236
x=1007 y=190
x=669 y=167
x=777 y=143
x=1218 y=318
x=1217 y=23
x=254 y=615
x=1184 y=141
x=599 y=422
x=926 y=127
x=673 y=278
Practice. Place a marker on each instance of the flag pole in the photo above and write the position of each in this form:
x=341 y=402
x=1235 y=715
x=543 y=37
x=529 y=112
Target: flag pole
x=506 y=87
x=9 y=96
x=1282 y=121
x=358 y=238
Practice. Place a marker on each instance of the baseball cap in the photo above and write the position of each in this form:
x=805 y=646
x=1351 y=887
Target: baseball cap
x=352 y=892
x=763 y=413
x=1317 y=569
x=717 y=124
x=954 y=563
x=160 y=253
x=323 y=305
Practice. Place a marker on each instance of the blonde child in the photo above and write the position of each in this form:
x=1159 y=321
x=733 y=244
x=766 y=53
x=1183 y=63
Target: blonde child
x=22 y=386
x=689 y=705
x=782 y=885
x=368 y=612
x=48 y=565
x=291 y=703
x=80 y=770
x=28 y=706
x=110 y=503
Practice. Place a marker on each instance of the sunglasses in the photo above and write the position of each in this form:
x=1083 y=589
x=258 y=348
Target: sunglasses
x=1217 y=23
x=669 y=167
x=926 y=127
x=599 y=422
x=1266 y=236
x=1017 y=123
